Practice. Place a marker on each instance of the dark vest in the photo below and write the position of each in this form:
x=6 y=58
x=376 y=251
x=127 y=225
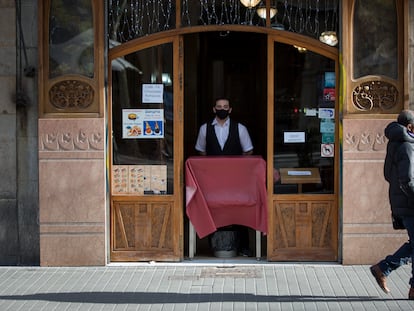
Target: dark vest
x=232 y=145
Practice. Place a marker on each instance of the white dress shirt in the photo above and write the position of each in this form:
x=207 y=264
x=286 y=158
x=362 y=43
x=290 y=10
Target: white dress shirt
x=222 y=133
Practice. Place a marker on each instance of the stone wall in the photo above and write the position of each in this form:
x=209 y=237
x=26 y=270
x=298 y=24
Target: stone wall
x=27 y=133
x=72 y=192
x=8 y=187
x=19 y=229
x=411 y=55
x=367 y=233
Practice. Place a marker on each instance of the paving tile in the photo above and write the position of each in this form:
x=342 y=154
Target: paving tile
x=202 y=287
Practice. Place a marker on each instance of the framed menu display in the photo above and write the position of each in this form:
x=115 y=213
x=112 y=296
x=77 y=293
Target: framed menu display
x=139 y=179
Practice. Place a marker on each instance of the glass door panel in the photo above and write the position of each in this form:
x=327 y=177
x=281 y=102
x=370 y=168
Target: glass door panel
x=304 y=121
x=142 y=122
x=146 y=201
x=303 y=217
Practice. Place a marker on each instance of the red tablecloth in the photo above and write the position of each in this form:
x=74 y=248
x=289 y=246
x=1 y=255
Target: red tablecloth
x=222 y=191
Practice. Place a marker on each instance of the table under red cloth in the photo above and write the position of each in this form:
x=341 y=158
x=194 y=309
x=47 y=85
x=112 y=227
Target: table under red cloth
x=222 y=191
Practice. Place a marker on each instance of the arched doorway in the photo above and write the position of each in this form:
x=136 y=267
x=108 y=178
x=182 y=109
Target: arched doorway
x=277 y=91
x=217 y=64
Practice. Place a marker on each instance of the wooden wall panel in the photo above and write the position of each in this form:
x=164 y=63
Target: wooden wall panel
x=142 y=231
x=304 y=230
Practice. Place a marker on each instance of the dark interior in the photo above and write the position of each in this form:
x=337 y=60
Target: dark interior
x=231 y=64
x=227 y=64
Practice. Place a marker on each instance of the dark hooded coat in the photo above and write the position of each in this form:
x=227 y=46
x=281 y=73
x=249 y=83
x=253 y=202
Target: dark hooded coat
x=399 y=169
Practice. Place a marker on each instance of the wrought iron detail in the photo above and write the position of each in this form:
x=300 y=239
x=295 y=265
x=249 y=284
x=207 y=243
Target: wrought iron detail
x=71 y=94
x=374 y=95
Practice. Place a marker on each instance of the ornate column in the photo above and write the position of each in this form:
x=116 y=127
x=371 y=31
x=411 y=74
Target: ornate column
x=374 y=75
x=71 y=133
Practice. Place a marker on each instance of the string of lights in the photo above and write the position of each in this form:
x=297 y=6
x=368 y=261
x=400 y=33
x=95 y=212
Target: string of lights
x=130 y=19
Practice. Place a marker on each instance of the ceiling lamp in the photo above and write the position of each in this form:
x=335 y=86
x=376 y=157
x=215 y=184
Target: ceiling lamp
x=329 y=38
x=300 y=49
x=250 y=3
x=261 y=11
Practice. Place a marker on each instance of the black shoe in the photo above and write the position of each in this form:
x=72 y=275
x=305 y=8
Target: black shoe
x=411 y=294
x=245 y=252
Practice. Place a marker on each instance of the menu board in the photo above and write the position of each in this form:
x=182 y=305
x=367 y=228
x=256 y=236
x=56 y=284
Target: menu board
x=139 y=179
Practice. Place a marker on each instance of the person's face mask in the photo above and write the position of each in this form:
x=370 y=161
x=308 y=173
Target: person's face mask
x=222 y=113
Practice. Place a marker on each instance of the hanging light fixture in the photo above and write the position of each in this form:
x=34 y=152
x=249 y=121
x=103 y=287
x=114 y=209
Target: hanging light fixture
x=261 y=11
x=250 y=3
x=329 y=38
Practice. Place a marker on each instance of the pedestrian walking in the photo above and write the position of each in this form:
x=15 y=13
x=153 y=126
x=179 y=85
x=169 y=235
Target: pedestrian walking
x=399 y=173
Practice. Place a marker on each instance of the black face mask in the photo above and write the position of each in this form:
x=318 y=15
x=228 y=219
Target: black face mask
x=222 y=113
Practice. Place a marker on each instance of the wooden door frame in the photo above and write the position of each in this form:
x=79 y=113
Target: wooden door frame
x=174 y=200
x=176 y=36
x=274 y=199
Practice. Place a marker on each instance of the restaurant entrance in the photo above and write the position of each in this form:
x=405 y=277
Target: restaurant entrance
x=286 y=97
x=230 y=64
x=282 y=87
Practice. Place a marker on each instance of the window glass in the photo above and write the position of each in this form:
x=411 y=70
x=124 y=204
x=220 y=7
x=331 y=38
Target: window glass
x=304 y=121
x=142 y=122
x=71 y=38
x=375 y=39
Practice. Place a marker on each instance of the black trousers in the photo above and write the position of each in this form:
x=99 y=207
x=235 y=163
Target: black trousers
x=243 y=237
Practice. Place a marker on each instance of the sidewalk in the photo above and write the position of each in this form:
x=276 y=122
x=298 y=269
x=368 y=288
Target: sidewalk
x=192 y=286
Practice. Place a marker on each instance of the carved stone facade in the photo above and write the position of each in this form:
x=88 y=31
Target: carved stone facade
x=72 y=192
x=367 y=141
x=71 y=95
x=74 y=139
x=367 y=233
x=372 y=96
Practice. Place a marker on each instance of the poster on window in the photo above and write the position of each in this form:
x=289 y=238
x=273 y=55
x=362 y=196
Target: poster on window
x=329 y=79
x=142 y=123
x=152 y=93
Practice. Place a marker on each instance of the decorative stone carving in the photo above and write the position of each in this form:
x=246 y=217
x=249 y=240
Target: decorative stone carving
x=364 y=142
x=71 y=94
x=72 y=141
x=374 y=95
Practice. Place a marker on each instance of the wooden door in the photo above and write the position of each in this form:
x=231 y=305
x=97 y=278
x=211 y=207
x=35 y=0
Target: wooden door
x=146 y=183
x=302 y=151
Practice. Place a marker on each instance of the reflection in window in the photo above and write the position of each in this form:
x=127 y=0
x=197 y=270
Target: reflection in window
x=375 y=38
x=142 y=120
x=304 y=121
x=71 y=38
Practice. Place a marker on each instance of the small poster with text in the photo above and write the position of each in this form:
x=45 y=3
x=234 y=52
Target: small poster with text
x=142 y=123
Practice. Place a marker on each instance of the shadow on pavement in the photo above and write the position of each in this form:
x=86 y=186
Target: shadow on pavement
x=165 y=298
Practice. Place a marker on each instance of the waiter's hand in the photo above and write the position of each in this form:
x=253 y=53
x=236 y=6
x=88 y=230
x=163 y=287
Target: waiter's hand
x=248 y=152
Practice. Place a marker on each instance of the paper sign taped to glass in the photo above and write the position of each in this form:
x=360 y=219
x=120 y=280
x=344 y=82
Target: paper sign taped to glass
x=142 y=123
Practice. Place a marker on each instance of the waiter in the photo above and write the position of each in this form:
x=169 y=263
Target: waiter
x=223 y=136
